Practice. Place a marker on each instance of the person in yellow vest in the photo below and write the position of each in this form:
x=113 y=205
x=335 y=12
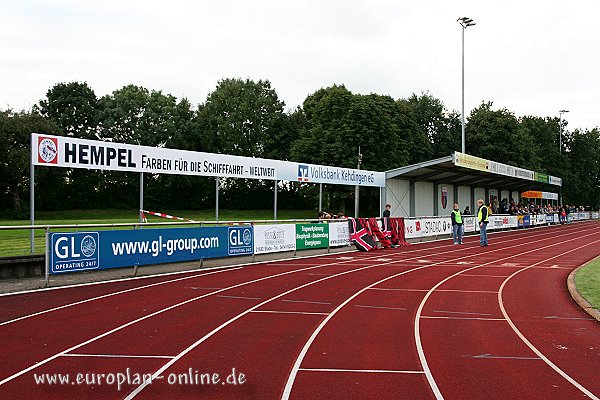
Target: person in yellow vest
x=457 y=225
x=482 y=218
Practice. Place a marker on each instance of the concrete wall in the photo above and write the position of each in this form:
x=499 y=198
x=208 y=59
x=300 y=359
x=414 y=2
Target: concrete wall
x=397 y=194
x=423 y=199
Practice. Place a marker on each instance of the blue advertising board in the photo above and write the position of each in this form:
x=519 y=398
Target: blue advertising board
x=526 y=221
x=80 y=251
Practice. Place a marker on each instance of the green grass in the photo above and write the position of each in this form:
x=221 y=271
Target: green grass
x=16 y=242
x=588 y=282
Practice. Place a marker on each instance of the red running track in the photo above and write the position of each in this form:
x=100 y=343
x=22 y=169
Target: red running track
x=421 y=322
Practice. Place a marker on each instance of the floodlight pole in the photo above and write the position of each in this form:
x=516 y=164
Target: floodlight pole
x=464 y=22
x=356 y=188
x=560 y=113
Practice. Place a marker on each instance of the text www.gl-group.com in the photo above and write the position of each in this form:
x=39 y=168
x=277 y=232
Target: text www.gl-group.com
x=158 y=246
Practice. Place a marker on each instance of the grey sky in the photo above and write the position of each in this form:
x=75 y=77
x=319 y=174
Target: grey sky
x=532 y=57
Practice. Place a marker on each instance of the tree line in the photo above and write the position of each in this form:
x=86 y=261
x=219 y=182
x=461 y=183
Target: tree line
x=246 y=117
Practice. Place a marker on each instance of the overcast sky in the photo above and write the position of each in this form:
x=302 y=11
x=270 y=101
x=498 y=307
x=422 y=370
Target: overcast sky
x=532 y=57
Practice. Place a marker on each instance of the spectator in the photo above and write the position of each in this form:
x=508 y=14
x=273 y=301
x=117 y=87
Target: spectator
x=467 y=211
x=482 y=218
x=457 y=225
x=387 y=212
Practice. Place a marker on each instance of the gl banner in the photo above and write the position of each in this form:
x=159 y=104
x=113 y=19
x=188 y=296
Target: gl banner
x=80 y=251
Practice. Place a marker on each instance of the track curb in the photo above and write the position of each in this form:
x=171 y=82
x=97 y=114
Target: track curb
x=581 y=301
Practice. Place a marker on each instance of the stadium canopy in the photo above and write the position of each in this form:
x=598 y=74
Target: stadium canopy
x=459 y=169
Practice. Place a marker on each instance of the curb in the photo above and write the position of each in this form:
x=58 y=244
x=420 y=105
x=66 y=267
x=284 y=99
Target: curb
x=581 y=301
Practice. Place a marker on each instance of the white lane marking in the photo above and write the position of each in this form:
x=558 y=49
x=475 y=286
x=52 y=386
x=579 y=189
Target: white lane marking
x=420 y=351
x=163 y=310
x=375 y=371
x=461 y=318
x=383 y=259
x=292 y=376
x=202 y=288
x=464 y=262
x=526 y=341
x=238 y=297
x=345 y=258
x=223 y=325
x=400 y=290
x=315 y=274
x=113 y=356
x=489 y=356
x=114 y=294
x=289 y=312
x=381 y=307
x=460 y=312
x=569 y=318
x=306 y=301
x=486 y=276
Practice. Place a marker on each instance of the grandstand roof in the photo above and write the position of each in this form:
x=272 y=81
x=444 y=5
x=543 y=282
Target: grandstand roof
x=453 y=170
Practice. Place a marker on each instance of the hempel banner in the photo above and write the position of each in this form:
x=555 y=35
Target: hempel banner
x=68 y=152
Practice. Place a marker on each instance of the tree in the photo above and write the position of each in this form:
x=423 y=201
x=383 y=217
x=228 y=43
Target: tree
x=73 y=107
x=583 y=151
x=497 y=135
x=15 y=131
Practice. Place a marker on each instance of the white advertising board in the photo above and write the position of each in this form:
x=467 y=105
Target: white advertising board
x=423 y=227
x=68 y=152
x=339 y=234
x=274 y=238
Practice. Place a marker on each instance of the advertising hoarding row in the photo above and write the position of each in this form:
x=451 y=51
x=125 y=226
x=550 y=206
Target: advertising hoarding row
x=80 y=251
x=481 y=164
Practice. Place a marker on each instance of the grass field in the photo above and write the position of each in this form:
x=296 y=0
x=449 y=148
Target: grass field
x=16 y=242
x=588 y=282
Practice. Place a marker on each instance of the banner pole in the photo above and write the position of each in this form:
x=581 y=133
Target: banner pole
x=320 y=197
x=47 y=257
x=275 y=201
x=217 y=199
x=32 y=201
x=141 y=196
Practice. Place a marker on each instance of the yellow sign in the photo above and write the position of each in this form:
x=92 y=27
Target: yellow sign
x=472 y=162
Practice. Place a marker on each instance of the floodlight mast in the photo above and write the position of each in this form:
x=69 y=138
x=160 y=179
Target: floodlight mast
x=560 y=113
x=464 y=22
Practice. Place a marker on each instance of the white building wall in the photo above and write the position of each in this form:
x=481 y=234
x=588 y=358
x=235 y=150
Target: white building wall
x=464 y=198
x=397 y=194
x=505 y=194
x=516 y=196
x=480 y=194
x=449 y=199
x=423 y=199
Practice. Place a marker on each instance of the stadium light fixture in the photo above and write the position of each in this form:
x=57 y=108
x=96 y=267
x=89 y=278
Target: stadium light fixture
x=560 y=113
x=464 y=22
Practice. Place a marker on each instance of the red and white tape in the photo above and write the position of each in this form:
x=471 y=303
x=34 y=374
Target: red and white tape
x=162 y=215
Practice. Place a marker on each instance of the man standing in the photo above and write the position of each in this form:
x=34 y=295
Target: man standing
x=457 y=225
x=482 y=218
x=386 y=212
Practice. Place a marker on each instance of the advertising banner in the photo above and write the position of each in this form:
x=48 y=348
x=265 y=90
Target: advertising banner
x=469 y=224
x=62 y=151
x=540 y=219
x=274 y=238
x=422 y=227
x=520 y=221
x=471 y=162
x=339 y=234
x=312 y=236
x=70 y=252
x=526 y=221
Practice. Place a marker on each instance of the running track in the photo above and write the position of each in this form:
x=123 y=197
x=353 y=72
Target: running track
x=421 y=322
